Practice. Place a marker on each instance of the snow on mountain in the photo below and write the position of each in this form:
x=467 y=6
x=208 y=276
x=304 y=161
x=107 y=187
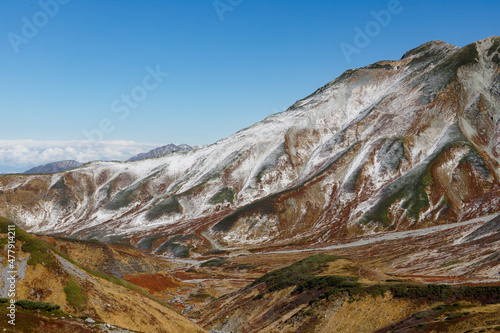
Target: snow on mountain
x=163 y=150
x=395 y=145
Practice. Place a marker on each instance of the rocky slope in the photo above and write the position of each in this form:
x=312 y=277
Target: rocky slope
x=397 y=145
x=84 y=296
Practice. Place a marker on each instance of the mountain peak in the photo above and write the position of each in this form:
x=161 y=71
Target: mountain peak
x=434 y=46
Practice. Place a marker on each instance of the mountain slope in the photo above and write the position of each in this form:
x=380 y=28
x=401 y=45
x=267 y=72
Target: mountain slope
x=327 y=293
x=396 y=145
x=44 y=274
x=54 y=167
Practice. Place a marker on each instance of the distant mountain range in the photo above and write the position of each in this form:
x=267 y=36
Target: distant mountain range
x=61 y=166
x=54 y=167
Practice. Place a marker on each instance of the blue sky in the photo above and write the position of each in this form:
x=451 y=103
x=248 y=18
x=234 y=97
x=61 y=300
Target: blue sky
x=230 y=63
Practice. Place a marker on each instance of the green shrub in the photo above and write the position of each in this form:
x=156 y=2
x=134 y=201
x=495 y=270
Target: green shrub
x=413 y=195
x=177 y=250
x=377 y=290
x=32 y=305
x=322 y=282
x=309 y=312
x=147 y=242
x=74 y=294
x=241 y=266
x=216 y=262
x=122 y=199
x=226 y=194
x=484 y=294
x=259 y=296
x=451 y=263
x=215 y=252
x=296 y=273
x=39 y=253
x=165 y=207
x=173 y=246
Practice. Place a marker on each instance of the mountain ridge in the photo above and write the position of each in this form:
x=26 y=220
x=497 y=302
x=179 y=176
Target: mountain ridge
x=54 y=167
x=163 y=150
x=395 y=145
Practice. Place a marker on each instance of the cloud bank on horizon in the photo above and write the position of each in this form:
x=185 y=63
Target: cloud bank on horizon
x=20 y=155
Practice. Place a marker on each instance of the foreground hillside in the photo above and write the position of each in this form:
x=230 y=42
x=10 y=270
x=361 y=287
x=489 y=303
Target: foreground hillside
x=326 y=293
x=429 y=280
x=397 y=145
x=78 y=299
x=364 y=284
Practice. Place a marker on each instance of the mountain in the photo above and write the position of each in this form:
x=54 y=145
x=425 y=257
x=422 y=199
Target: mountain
x=372 y=205
x=54 y=167
x=161 y=151
x=394 y=146
x=60 y=166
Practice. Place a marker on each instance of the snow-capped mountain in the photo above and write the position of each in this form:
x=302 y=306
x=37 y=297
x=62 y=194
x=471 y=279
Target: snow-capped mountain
x=395 y=145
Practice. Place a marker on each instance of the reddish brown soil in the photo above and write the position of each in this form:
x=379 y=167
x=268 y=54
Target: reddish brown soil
x=154 y=282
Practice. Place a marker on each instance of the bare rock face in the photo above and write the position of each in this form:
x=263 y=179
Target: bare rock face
x=395 y=145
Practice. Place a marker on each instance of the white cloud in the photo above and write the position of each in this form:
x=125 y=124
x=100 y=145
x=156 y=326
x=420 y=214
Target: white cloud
x=18 y=154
